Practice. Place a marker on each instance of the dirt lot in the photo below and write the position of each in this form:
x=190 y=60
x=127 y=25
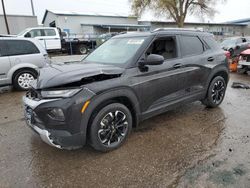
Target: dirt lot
x=188 y=147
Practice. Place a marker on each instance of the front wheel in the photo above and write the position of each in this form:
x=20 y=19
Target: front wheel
x=23 y=79
x=110 y=127
x=216 y=92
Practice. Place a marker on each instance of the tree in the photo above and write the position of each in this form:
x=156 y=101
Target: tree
x=176 y=9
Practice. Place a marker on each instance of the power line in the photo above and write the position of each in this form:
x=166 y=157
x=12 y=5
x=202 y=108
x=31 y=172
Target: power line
x=5 y=18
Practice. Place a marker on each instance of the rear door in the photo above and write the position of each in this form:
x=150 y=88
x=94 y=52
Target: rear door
x=4 y=64
x=194 y=59
x=52 y=39
x=24 y=52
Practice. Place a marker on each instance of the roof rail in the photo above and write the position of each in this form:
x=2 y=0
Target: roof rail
x=176 y=29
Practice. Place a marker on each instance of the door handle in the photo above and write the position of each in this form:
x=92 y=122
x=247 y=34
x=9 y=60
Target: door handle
x=210 y=59
x=176 y=66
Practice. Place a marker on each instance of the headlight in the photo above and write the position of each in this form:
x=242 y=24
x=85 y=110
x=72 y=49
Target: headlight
x=60 y=93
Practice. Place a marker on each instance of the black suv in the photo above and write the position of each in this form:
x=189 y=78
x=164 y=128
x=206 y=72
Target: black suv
x=126 y=80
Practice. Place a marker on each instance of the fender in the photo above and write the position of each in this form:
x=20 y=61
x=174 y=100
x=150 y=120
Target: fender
x=109 y=95
x=18 y=67
x=216 y=70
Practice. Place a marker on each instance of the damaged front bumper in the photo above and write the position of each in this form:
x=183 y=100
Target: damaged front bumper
x=63 y=134
x=45 y=136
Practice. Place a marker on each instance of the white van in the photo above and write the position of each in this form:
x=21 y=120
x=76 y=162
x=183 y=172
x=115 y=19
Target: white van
x=20 y=59
x=49 y=37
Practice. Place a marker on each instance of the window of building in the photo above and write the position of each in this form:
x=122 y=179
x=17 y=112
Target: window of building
x=20 y=47
x=191 y=45
x=164 y=46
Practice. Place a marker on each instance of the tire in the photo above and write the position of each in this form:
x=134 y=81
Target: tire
x=23 y=79
x=216 y=92
x=82 y=49
x=106 y=134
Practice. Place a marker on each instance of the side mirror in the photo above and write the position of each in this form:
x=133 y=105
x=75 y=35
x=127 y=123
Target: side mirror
x=27 y=35
x=154 y=59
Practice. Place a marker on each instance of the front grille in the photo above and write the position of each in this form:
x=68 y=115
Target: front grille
x=33 y=94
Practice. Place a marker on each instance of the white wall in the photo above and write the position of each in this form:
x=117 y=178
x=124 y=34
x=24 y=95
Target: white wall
x=74 y=22
x=17 y=23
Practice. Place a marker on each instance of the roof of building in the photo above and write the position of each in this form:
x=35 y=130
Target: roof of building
x=240 y=21
x=19 y=15
x=194 y=23
x=118 y=26
x=73 y=13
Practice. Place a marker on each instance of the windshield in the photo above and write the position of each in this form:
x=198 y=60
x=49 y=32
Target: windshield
x=116 y=51
x=229 y=42
x=22 y=32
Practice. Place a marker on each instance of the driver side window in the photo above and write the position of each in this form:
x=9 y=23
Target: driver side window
x=165 y=47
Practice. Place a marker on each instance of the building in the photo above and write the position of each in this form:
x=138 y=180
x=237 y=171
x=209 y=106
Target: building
x=17 y=23
x=220 y=30
x=77 y=23
x=245 y=21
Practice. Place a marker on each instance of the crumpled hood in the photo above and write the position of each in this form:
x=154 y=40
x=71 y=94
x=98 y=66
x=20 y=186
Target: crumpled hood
x=60 y=74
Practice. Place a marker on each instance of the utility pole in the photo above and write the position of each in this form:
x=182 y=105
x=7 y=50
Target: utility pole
x=5 y=19
x=32 y=7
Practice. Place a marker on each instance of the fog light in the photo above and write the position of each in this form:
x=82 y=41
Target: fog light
x=56 y=114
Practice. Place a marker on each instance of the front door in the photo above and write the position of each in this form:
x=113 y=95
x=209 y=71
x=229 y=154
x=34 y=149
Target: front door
x=162 y=84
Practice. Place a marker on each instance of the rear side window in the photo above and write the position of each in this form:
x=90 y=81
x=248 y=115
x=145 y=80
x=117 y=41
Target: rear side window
x=20 y=47
x=49 y=32
x=3 y=48
x=191 y=45
x=211 y=43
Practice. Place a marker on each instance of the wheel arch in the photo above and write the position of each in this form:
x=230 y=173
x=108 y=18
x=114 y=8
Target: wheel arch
x=22 y=69
x=124 y=96
x=222 y=71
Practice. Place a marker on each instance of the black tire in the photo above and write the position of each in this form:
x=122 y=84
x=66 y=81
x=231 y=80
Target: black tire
x=17 y=76
x=82 y=49
x=216 y=92
x=104 y=132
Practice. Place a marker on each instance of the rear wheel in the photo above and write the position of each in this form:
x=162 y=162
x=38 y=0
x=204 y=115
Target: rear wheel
x=216 y=92
x=82 y=49
x=23 y=79
x=110 y=127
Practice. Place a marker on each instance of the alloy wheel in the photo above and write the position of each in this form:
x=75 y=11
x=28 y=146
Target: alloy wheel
x=218 y=92
x=113 y=128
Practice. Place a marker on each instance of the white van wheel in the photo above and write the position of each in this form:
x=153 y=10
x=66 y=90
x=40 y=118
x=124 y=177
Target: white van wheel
x=23 y=79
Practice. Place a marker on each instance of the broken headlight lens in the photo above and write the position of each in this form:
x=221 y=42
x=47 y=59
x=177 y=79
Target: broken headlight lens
x=60 y=93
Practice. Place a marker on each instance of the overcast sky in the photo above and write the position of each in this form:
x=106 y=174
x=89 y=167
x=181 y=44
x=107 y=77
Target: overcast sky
x=232 y=10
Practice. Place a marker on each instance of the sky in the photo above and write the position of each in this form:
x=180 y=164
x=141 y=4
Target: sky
x=231 y=10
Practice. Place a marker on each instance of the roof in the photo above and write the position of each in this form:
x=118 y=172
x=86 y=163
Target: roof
x=240 y=21
x=194 y=23
x=118 y=26
x=17 y=15
x=73 y=13
x=164 y=31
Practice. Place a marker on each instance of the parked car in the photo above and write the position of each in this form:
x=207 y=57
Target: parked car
x=52 y=39
x=126 y=80
x=19 y=61
x=244 y=62
x=235 y=45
